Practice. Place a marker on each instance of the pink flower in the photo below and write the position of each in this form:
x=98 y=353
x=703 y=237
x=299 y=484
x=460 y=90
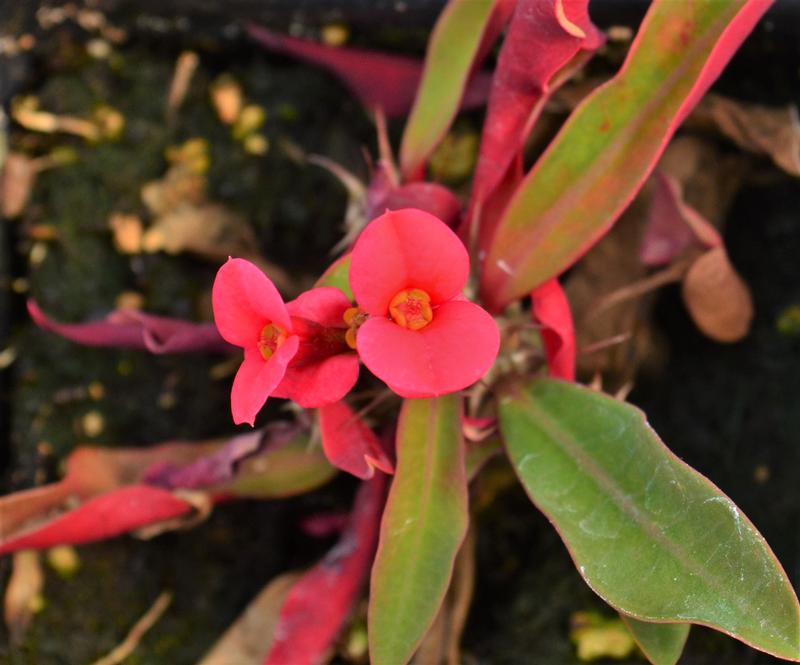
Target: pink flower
x=414 y=329
x=296 y=351
x=325 y=368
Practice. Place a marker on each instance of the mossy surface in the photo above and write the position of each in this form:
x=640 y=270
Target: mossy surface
x=296 y=211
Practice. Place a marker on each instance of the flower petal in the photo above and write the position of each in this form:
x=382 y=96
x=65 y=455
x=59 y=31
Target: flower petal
x=349 y=444
x=324 y=305
x=452 y=352
x=245 y=300
x=406 y=249
x=257 y=379
x=320 y=382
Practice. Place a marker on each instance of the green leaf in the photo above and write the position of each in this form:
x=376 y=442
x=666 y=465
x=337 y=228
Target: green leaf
x=604 y=152
x=423 y=525
x=478 y=454
x=653 y=537
x=338 y=276
x=452 y=49
x=282 y=471
x=662 y=643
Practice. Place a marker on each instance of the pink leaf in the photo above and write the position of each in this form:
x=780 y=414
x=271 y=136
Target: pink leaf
x=551 y=310
x=379 y=80
x=133 y=329
x=349 y=444
x=321 y=600
x=104 y=516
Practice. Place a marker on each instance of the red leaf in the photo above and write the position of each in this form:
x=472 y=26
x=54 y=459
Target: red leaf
x=349 y=444
x=319 y=603
x=102 y=517
x=673 y=225
x=217 y=467
x=542 y=40
x=379 y=80
x=551 y=310
x=322 y=525
x=493 y=206
x=428 y=196
x=501 y=15
x=91 y=473
x=132 y=329
x=610 y=144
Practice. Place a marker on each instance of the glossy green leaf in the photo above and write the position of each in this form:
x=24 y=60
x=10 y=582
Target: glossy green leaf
x=662 y=643
x=605 y=151
x=338 y=276
x=452 y=49
x=281 y=471
x=649 y=534
x=423 y=525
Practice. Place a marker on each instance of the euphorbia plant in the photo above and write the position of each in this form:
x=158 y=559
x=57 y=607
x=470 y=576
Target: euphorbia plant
x=653 y=537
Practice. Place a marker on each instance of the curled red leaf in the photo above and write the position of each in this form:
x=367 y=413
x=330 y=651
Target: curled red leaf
x=349 y=444
x=102 y=517
x=321 y=600
x=378 y=80
x=133 y=329
x=428 y=196
x=551 y=310
x=544 y=37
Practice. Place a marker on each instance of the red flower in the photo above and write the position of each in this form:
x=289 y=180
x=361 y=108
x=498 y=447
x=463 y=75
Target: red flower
x=296 y=351
x=325 y=367
x=417 y=332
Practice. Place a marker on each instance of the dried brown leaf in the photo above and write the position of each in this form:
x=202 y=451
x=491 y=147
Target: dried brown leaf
x=610 y=267
x=125 y=648
x=22 y=593
x=185 y=67
x=210 y=230
x=771 y=131
x=248 y=640
x=178 y=187
x=226 y=96
x=717 y=298
x=127 y=230
x=18 y=178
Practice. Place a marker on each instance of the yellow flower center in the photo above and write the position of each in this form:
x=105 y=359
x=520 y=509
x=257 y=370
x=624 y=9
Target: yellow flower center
x=353 y=317
x=271 y=338
x=411 y=308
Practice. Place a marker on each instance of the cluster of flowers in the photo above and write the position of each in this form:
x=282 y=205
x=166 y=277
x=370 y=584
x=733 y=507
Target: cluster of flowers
x=411 y=326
